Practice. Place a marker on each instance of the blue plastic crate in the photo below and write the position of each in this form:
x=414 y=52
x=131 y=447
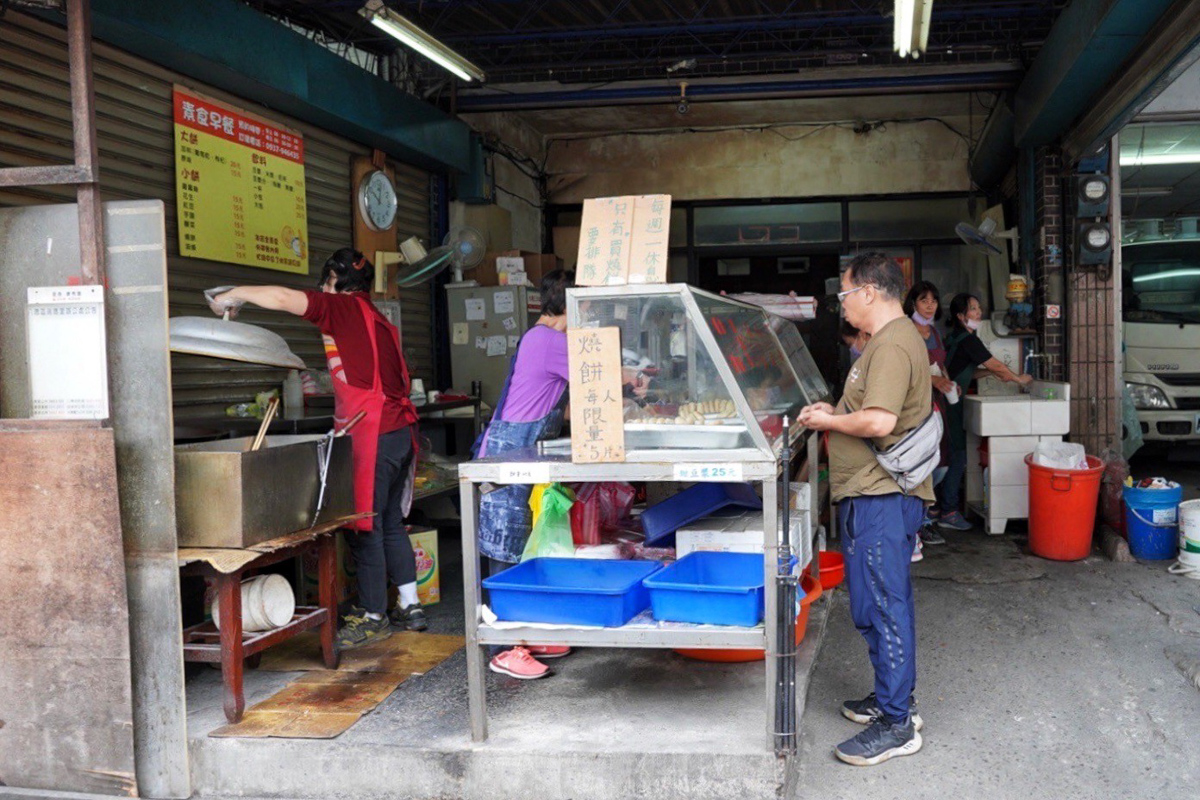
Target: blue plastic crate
x=661 y=520
x=710 y=588
x=571 y=591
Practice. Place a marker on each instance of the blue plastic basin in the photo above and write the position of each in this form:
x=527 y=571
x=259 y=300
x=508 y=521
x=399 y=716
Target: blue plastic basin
x=571 y=591
x=710 y=588
x=661 y=520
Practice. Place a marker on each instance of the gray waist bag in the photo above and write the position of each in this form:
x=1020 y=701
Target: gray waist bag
x=914 y=458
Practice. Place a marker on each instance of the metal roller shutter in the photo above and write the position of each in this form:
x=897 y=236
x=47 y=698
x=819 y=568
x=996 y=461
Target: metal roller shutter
x=133 y=118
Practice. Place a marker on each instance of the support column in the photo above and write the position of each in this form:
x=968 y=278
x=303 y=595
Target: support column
x=1049 y=257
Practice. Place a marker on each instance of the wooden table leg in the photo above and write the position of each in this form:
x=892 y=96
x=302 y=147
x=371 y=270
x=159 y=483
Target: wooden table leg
x=327 y=597
x=229 y=590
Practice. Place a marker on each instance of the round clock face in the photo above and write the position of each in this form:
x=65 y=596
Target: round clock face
x=377 y=201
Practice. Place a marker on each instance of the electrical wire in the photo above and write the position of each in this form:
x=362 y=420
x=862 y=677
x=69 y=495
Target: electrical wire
x=525 y=200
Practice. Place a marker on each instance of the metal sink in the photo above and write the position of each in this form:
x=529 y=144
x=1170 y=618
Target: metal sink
x=226 y=496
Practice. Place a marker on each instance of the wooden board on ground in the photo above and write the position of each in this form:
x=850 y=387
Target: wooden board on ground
x=405 y=652
x=323 y=704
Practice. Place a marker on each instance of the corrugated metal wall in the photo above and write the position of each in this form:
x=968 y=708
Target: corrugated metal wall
x=133 y=118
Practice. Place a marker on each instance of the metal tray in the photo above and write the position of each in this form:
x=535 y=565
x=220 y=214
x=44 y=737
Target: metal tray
x=684 y=437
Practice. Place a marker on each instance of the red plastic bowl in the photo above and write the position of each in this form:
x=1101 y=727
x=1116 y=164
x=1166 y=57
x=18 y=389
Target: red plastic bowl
x=812 y=590
x=833 y=568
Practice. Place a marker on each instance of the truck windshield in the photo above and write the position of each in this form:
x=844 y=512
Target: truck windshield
x=1161 y=282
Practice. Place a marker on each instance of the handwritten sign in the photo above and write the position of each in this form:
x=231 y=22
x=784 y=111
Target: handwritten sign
x=708 y=473
x=624 y=240
x=651 y=228
x=597 y=419
x=239 y=186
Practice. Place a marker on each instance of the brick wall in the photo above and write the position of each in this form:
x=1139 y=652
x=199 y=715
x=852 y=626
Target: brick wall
x=1050 y=254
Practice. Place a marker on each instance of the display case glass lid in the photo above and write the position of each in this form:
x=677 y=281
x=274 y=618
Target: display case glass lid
x=717 y=375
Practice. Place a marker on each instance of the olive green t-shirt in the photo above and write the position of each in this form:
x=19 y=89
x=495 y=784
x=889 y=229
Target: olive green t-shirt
x=891 y=374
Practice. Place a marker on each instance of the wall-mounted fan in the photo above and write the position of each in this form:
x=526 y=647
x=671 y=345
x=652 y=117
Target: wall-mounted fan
x=985 y=237
x=462 y=249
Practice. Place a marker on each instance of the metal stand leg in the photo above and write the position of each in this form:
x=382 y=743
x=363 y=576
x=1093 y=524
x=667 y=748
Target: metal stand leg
x=472 y=603
x=770 y=597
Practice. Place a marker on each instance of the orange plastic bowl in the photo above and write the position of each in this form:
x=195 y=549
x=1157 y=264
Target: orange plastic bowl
x=812 y=590
x=833 y=568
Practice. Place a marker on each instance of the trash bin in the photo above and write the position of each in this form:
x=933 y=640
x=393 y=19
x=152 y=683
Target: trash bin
x=1151 y=521
x=1062 y=509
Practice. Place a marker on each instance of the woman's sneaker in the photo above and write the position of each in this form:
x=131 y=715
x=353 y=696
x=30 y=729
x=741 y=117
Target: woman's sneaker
x=929 y=535
x=954 y=521
x=362 y=629
x=518 y=663
x=867 y=709
x=917 y=553
x=411 y=618
x=881 y=741
x=545 y=651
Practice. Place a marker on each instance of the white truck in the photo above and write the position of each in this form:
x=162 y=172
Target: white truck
x=1161 y=312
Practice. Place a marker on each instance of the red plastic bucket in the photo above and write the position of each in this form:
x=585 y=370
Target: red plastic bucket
x=812 y=590
x=1062 y=509
x=833 y=568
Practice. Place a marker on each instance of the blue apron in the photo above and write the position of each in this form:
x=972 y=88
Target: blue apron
x=505 y=518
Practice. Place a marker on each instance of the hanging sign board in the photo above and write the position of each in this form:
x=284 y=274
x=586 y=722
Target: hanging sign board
x=624 y=240
x=68 y=361
x=604 y=241
x=597 y=411
x=239 y=186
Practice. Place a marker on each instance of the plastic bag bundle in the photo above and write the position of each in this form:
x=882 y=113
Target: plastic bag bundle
x=551 y=534
x=1060 y=455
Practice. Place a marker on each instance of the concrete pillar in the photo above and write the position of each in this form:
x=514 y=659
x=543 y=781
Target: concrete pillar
x=1049 y=256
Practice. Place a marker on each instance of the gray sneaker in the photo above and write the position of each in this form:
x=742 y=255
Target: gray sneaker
x=360 y=630
x=954 y=521
x=881 y=741
x=865 y=710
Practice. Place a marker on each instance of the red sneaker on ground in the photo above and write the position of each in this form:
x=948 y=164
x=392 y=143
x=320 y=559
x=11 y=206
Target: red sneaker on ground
x=518 y=663
x=548 y=650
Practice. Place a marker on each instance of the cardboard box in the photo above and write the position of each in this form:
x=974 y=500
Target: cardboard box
x=566 y=245
x=425 y=548
x=739 y=534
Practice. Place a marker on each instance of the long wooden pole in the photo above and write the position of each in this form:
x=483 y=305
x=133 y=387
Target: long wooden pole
x=83 y=118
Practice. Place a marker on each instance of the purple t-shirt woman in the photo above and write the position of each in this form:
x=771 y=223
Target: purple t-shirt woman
x=539 y=376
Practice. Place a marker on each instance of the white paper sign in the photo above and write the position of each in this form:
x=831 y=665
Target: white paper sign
x=476 y=309
x=497 y=346
x=461 y=333
x=481 y=342
x=709 y=473
x=524 y=473
x=510 y=324
x=503 y=302
x=68 y=363
x=513 y=341
x=509 y=264
x=620 y=311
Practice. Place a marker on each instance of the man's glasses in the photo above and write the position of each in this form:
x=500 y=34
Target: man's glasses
x=842 y=295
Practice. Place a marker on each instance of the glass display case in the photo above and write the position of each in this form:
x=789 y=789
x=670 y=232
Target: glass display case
x=720 y=374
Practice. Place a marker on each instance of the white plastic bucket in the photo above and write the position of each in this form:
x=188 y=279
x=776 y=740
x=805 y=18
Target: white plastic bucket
x=1189 y=532
x=267 y=602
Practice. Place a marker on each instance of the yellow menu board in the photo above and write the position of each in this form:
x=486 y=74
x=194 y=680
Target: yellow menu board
x=239 y=186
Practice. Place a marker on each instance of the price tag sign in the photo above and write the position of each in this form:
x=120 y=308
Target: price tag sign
x=597 y=418
x=709 y=473
x=524 y=473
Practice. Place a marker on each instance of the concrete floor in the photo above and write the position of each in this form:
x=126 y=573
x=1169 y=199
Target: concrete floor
x=1035 y=679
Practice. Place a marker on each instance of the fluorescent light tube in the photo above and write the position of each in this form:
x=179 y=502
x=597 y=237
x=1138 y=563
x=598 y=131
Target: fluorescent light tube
x=410 y=35
x=1133 y=160
x=910 y=28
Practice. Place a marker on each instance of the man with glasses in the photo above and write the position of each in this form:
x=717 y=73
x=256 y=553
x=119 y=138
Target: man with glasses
x=886 y=395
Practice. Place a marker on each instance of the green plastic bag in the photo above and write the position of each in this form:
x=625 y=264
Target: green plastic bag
x=551 y=534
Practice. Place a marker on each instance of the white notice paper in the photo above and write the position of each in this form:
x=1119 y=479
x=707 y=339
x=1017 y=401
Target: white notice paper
x=513 y=341
x=476 y=309
x=523 y=473
x=503 y=302
x=481 y=342
x=497 y=346
x=510 y=324
x=67 y=353
x=461 y=333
